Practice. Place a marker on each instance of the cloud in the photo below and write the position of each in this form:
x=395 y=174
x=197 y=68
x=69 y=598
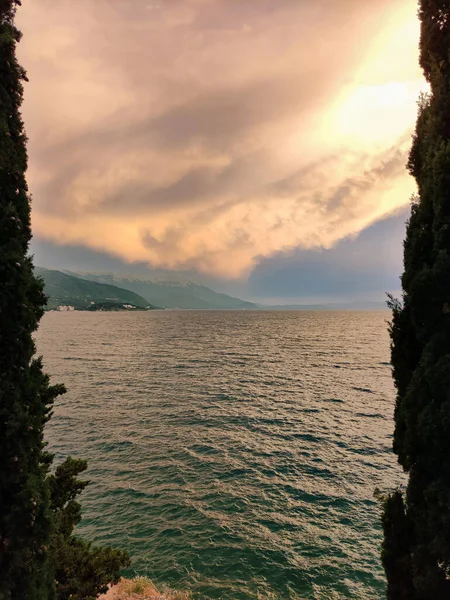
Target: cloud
x=209 y=134
x=364 y=267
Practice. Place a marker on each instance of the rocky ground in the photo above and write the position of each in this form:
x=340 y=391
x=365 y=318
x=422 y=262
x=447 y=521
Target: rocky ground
x=140 y=588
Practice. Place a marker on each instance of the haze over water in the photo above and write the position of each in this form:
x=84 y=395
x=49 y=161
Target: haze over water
x=232 y=453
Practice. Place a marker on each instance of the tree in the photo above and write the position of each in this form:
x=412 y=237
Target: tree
x=418 y=566
x=26 y=396
x=82 y=571
x=38 y=511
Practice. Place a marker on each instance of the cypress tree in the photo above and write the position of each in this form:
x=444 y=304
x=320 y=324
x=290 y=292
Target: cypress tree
x=416 y=549
x=25 y=394
x=40 y=558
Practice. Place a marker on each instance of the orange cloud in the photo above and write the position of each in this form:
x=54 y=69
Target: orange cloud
x=208 y=134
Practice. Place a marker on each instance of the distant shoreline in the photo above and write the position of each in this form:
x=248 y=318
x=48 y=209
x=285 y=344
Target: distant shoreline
x=232 y=310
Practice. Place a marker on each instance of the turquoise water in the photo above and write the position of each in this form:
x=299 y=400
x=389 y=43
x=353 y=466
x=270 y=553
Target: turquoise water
x=232 y=453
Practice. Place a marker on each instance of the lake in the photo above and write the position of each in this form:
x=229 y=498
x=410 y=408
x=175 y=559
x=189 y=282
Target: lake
x=235 y=454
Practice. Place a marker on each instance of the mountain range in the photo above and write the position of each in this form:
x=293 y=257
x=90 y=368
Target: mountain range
x=171 y=293
x=81 y=289
x=64 y=289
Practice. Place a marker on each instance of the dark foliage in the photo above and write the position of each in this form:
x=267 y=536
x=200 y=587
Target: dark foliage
x=416 y=551
x=82 y=571
x=395 y=556
x=25 y=394
x=37 y=511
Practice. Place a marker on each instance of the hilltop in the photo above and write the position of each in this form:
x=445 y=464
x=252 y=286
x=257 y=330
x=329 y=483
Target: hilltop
x=65 y=289
x=171 y=293
x=79 y=289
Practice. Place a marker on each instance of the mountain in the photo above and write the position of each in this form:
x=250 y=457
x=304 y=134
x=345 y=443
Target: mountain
x=65 y=289
x=172 y=293
x=80 y=289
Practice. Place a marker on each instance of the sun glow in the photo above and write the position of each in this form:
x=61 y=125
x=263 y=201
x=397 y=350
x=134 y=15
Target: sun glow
x=380 y=103
x=377 y=114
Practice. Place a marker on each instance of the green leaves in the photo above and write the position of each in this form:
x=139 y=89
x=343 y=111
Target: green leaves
x=416 y=549
x=82 y=571
x=38 y=511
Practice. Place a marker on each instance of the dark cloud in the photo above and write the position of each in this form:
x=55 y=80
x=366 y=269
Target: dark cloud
x=366 y=267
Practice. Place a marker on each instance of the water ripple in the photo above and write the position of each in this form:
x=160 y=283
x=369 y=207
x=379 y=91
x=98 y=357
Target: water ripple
x=235 y=454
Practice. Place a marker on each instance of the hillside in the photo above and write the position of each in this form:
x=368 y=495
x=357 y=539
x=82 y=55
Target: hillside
x=172 y=294
x=64 y=289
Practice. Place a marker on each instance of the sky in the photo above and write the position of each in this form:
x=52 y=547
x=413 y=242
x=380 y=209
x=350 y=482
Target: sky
x=256 y=145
